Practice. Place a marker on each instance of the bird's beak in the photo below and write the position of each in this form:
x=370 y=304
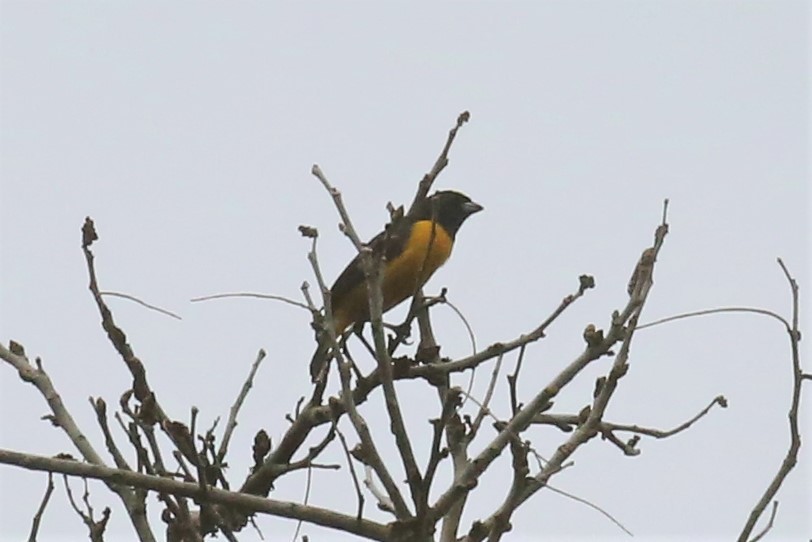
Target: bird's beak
x=471 y=207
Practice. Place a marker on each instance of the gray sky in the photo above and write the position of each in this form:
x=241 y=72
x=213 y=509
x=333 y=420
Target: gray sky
x=187 y=131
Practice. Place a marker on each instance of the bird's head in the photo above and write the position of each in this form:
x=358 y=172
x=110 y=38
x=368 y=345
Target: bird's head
x=448 y=208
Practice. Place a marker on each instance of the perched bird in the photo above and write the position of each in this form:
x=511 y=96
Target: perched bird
x=413 y=248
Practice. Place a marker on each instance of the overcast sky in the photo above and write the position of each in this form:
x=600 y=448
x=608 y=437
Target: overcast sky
x=188 y=130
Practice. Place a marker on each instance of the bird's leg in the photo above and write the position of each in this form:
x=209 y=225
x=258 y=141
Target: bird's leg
x=404 y=330
x=402 y=333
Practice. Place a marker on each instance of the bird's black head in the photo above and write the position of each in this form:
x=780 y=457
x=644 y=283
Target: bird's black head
x=448 y=208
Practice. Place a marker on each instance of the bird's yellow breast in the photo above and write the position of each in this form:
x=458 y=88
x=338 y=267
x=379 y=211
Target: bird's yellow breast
x=428 y=247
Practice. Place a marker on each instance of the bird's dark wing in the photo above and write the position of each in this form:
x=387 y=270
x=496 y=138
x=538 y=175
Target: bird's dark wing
x=391 y=242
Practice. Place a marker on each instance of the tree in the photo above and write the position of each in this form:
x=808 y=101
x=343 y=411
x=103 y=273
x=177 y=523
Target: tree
x=198 y=498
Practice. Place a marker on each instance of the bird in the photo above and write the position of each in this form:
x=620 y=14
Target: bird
x=413 y=248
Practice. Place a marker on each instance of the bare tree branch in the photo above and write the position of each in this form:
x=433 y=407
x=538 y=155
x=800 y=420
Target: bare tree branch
x=458 y=449
x=494 y=350
x=791 y=458
x=249 y=503
x=353 y=474
x=49 y=489
x=95 y=528
x=368 y=452
x=373 y=272
x=37 y=376
x=346 y=224
x=150 y=410
x=483 y=408
x=598 y=344
x=315 y=414
x=235 y=408
x=100 y=406
x=61 y=417
x=567 y=421
x=513 y=379
x=769 y=525
x=440 y=163
x=196 y=508
x=465 y=481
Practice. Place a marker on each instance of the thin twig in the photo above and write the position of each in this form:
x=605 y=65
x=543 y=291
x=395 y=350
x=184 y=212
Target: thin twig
x=96 y=528
x=591 y=505
x=100 y=406
x=719 y=400
x=347 y=226
x=187 y=474
x=472 y=337
x=451 y=400
x=70 y=497
x=752 y=310
x=142 y=303
x=483 y=409
x=131 y=430
x=328 y=322
x=308 y=482
x=235 y=408
x=353 y=474
x=769 y=525
x=306 y=293
x=86 y=498
x=307 y=461
x=513 y=381
x=567 y=420
x=252 y=295
x=442 y=161
x=468 y=327
x=540 y=460
x=49 y=489
x=791 y=457
x=158 y=462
